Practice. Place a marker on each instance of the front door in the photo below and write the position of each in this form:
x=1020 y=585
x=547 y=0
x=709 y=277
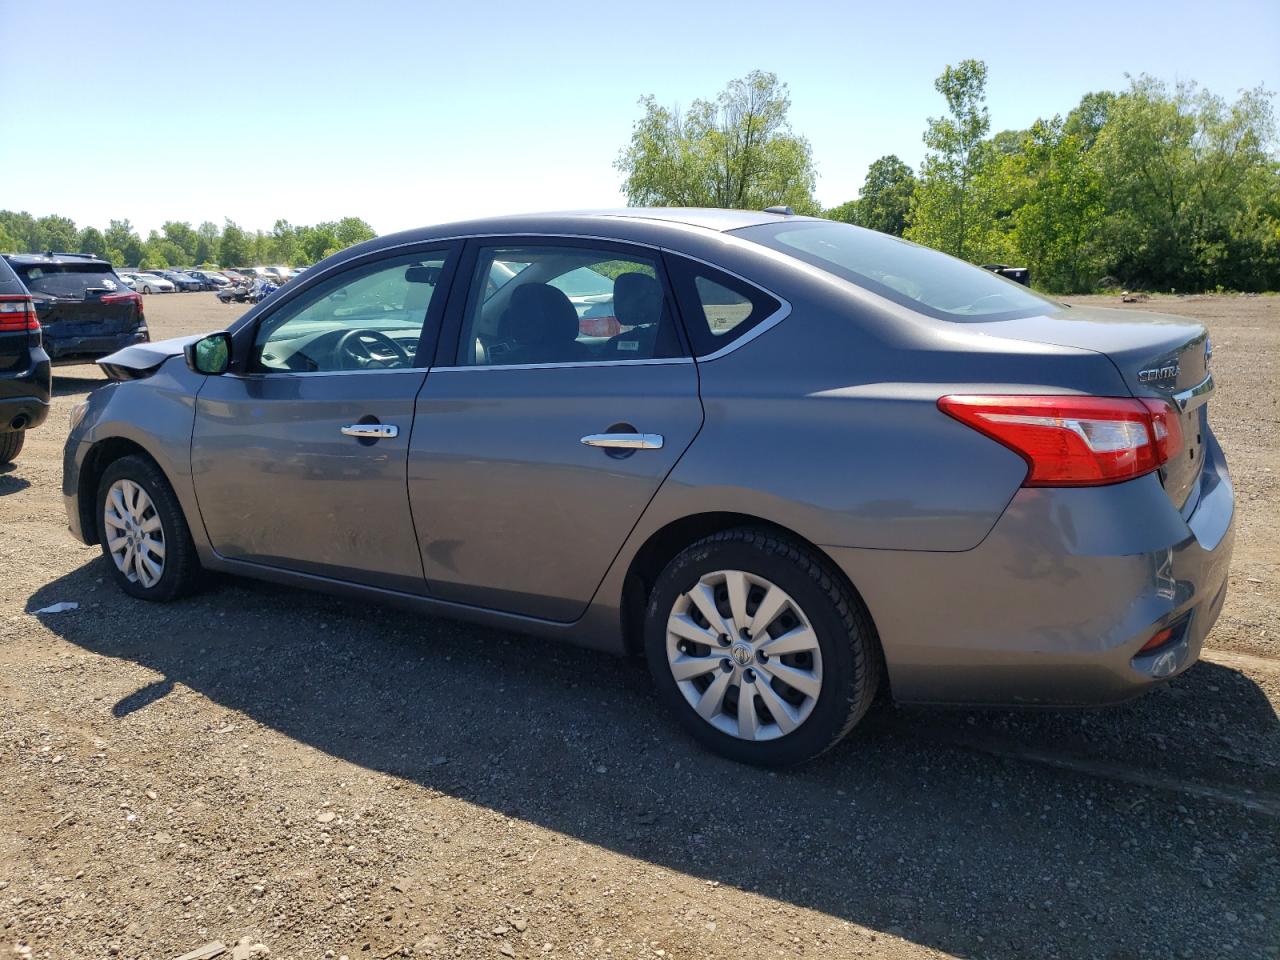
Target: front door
x=299 y=457
x=539 y=443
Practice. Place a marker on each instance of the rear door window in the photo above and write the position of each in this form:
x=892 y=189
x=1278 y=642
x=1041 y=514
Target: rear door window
x=555 y=303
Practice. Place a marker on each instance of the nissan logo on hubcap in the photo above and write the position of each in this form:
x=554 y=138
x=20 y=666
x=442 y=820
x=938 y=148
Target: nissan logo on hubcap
x=741 y=653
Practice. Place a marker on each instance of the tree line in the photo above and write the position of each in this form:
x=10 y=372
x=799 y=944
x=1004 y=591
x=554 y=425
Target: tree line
x=1152 y=187
x=179 y=244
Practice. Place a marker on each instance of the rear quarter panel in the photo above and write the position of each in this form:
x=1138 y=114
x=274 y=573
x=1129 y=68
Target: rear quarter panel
x=828 y=422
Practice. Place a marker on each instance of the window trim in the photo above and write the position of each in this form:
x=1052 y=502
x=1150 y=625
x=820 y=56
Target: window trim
x=765 y=324
x=460 y=305
x=244 y=334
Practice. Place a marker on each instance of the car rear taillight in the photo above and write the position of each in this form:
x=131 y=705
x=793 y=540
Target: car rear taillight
x=17 y=313
x=127 y=297
x=1074 y=441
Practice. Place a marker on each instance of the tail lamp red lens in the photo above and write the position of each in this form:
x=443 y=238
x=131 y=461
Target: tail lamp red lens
x=1070 y=441
x=17 y=314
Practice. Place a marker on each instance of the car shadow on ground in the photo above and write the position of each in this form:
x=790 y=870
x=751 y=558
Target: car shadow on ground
x=902 y=828
x=10 y=482
x=68 y=385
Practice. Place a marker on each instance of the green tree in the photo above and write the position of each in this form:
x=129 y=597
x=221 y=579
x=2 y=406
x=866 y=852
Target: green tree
x=947 y=212
x=121 y=236
x=234 y=246
x=847 y=212
x=283 y=244
x=56 y=233
x=21 y=228
x=1190 y=181
x=736 y=151
x=352 y=230
x=207 y=236
x=8 y=242
x=91 y=241
x=885 y=201
x=184 y=237
x=1057 y=223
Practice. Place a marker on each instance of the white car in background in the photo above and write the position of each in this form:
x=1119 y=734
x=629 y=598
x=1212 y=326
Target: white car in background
x=150 y=283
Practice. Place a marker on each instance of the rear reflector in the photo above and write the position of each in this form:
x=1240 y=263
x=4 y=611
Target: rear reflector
x=1157 y=640
x=1074 y=441
x=17 y=313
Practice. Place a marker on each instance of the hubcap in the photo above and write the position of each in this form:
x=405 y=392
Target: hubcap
x=763 y=684
x=134 y=534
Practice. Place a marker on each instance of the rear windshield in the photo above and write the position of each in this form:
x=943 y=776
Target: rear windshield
x=68 y=280
x=914 y=276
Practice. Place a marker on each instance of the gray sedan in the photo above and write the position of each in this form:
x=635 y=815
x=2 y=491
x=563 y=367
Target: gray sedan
x=807 y=462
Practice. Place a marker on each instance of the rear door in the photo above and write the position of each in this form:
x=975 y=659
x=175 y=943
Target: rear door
x=299 y=455
x=75 y=301
x=538 y=441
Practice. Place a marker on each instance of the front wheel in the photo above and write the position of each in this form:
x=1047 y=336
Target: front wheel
x=143 y=533
x=764 y=653
x=11 y=445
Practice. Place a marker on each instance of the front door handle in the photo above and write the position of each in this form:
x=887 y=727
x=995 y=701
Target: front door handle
x=371 y=431
x=624 y=441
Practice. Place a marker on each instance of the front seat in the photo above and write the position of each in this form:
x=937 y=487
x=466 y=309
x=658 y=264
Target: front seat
x=540 y=325
x=638 y=303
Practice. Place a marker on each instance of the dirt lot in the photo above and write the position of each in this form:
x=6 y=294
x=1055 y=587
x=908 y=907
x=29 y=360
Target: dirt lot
x=331 y=779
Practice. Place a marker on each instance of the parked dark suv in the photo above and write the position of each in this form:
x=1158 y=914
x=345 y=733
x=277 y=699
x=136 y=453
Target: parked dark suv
x=24 y=366
x=85 y=310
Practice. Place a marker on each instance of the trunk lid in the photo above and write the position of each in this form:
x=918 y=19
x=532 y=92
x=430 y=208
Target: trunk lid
x=1156 y=355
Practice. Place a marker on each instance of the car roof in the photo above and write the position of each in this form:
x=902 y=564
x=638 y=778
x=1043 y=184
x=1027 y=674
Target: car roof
x=10 y=285
x=639 y=220
x=30 y=259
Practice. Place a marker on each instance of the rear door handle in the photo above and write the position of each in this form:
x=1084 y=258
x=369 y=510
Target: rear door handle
x=373 y=431
x=625 y=441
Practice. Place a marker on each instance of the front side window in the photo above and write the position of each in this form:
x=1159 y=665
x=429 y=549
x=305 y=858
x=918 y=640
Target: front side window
x=914 y=276
x=371 y=318
x=552 y=304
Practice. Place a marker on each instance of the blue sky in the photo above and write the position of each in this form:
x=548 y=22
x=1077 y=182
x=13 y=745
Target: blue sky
x=410 y=113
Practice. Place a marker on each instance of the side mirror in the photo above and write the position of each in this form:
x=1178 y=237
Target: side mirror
x=209 y=355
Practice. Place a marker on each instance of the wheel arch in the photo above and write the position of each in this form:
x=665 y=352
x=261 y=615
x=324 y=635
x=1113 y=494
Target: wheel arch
x=101 y=455
x=667 y=541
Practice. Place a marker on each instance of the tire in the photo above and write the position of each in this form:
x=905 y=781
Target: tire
x=11 y=445
x=145 y=289
x=178 y=563
x=840 y=661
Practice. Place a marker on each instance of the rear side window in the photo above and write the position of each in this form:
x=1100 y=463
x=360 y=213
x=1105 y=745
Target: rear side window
x=69 y=280
x=718 y=309
x=933 y=283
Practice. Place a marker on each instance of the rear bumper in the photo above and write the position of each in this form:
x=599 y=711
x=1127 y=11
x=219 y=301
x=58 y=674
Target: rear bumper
x=24 y=394
x=77 y=349
x=1053 y=606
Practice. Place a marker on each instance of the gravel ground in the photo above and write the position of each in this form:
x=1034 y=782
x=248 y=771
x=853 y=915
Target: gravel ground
x=329 y=779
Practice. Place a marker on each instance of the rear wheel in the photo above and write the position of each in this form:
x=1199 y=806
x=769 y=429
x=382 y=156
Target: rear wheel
x=143 y=534
x=762 y=650
x=11 y=445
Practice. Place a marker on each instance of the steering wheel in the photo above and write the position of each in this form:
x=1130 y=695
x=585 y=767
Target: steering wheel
x=361 y=349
